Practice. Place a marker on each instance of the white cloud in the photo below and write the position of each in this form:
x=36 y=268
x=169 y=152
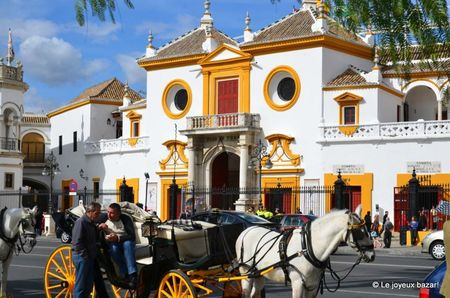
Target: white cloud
x=23 y=29
x=55 y=61
x=133 y=73
x=168 y=31
x=35 y=103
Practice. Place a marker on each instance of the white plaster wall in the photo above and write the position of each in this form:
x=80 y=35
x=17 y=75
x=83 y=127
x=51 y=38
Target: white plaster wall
x=385 y=160
x=99 y=115
x=12 y=96
x=387 y=106
x=11 y=165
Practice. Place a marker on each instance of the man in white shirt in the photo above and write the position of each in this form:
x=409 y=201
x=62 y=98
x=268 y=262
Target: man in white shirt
x=121 y=238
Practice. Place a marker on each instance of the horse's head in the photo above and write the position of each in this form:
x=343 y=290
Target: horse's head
x=358 y=236
x=26 y=226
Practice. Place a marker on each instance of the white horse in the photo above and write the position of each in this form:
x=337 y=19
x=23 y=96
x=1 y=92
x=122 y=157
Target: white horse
x=307 y=252
x=15 y=224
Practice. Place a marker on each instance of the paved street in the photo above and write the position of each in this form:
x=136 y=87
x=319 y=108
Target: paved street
x=26 y=273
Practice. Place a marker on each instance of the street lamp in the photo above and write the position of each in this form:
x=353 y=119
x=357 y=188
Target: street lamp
x=257 y=156
x=51 y=168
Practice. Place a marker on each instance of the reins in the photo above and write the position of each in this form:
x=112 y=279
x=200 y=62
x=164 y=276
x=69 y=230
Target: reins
x=11 y=241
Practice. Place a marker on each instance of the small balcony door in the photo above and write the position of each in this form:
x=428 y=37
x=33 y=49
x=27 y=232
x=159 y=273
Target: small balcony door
x=227 y=96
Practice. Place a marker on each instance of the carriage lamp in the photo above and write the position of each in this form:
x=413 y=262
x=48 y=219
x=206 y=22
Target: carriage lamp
x=259 y=154
x=51 y=168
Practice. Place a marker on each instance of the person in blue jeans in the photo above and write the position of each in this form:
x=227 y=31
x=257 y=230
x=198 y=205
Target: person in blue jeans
x=84 y=248
x=414 y=225
x=121 y=239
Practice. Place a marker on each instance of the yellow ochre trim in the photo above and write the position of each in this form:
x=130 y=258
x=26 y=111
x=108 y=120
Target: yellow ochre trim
x=132 y=134
x=222 y=48
x=330 y=42
x=419 y=80
x=284 y=142
x=364 y=180
x=366 y=86
x=283 y=182
x=96 y=179
x=170 y=62
x=132 y=141
x=294 y=76
x=131 y=182
x=133 y=115
x=166 y=109
x=83 y=103
x=348 y=99
x=435 y=179
x=174 y=156
x=443 y=84
x=222 y=70
x=165 y=197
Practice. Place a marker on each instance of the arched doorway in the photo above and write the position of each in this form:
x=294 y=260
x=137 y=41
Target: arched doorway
x=225 y=181
x=421 y=103
x=33 y=147
x=37 y=195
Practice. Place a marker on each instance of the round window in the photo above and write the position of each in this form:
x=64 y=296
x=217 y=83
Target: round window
x=286 y=89
x=181 y=99
x=282 y=88
x=177 y=99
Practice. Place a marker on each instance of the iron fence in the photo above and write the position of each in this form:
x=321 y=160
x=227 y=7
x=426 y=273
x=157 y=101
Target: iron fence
x=61 y=200
x=307 y=199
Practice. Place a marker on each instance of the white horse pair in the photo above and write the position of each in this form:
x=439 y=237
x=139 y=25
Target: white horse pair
x=258 y=249
x=15 y=223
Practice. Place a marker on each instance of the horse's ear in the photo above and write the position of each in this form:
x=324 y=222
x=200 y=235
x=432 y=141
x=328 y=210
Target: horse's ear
x=358 y=210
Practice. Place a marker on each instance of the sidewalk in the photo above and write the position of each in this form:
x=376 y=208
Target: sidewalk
x=395 y=249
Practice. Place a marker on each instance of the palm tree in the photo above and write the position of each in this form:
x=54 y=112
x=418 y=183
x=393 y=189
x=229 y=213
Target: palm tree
x=98 y=9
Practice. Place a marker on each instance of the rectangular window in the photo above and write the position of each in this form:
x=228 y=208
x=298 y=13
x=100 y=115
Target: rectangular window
x=135 y=129
x=96 y=189
x=398 y=112
x=60 y=145
x=9 y=180
x=118 y=129
x=75 y=141
x=349 y=115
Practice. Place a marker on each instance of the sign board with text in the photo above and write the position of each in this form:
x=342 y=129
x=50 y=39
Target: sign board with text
x=424 y=166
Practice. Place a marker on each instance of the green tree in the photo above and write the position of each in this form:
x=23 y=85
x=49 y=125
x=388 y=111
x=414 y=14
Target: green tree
x=98 y=8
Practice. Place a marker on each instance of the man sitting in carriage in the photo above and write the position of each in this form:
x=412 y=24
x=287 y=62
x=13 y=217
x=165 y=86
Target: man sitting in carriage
x=121 y=239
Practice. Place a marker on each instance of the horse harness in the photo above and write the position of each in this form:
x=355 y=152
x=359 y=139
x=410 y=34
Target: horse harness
x=11 y=241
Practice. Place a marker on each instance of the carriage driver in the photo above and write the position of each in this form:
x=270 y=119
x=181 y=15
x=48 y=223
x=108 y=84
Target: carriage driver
x=121 y=239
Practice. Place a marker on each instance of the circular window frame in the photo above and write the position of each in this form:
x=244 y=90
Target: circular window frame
x=267 y=85
x=165 y=99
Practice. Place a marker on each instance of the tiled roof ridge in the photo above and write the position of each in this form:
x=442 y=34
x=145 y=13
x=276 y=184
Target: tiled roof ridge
x=350 y=77
x=177 y=39
x=356 y=69
x=106 y=87
x=277 y=22
x=226 y=35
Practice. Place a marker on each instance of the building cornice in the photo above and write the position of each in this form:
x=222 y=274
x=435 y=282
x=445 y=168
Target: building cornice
x=366 y=86
x=83 y=103
x=170 y=62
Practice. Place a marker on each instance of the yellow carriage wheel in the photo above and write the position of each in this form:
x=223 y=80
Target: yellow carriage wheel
x=123 y=293
x=176 y=284
x=59 y=275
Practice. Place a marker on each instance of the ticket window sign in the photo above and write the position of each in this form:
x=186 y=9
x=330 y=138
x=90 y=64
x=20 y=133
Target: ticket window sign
x=73 y=187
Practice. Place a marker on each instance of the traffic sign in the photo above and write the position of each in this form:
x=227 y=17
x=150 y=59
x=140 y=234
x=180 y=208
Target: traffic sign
x=73 y=186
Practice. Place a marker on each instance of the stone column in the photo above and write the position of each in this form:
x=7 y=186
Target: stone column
x=244 y=201
x=191 y=166
x=439 y=111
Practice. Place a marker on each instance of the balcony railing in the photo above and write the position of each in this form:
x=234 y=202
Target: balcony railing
x=387 y=131
x=9 y=144
x=218 y=121
x=117 y=145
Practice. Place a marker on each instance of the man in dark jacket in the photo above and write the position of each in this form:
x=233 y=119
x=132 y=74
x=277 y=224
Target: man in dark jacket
x=121 y=238
x=368 y=220
x=84 y=238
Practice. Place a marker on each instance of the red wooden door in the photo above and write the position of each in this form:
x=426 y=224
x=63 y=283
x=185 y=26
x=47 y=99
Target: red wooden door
x=227 y=98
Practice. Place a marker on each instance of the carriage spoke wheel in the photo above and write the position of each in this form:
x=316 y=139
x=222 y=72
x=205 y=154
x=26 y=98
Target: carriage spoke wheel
x=176 y=284
x=123 y=293
x=59 y=274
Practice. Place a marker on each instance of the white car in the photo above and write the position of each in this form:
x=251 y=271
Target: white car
x=433 y=243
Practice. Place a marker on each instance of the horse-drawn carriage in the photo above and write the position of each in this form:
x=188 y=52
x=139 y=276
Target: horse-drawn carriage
x=182 y=258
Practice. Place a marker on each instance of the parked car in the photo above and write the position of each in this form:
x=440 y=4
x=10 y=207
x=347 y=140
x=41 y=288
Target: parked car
x=289 y=221
x=433 y=243
x=224 y=217
x=432 y=282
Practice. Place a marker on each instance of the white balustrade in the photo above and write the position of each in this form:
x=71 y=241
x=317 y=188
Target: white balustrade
x=387 y=131
x=117 y=145
x=233 y=120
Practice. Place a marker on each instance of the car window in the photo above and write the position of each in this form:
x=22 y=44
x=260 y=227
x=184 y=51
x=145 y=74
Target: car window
x=226 y=219
x=251 y=218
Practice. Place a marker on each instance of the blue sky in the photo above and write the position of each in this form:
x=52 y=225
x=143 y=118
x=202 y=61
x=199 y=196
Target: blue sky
x=61 y=59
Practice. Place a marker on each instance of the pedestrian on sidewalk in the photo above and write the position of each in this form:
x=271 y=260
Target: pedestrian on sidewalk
x=368 y=221
x=413 y=225
x=376 y=225
x=388 y=227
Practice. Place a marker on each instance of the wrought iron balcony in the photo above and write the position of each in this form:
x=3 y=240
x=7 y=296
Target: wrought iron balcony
x=117 y=146
x=9 y=144
x=386 y=131
x=222 y=122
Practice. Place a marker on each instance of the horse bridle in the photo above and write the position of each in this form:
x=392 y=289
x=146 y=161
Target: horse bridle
x=29 y=238
x=357 y=230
